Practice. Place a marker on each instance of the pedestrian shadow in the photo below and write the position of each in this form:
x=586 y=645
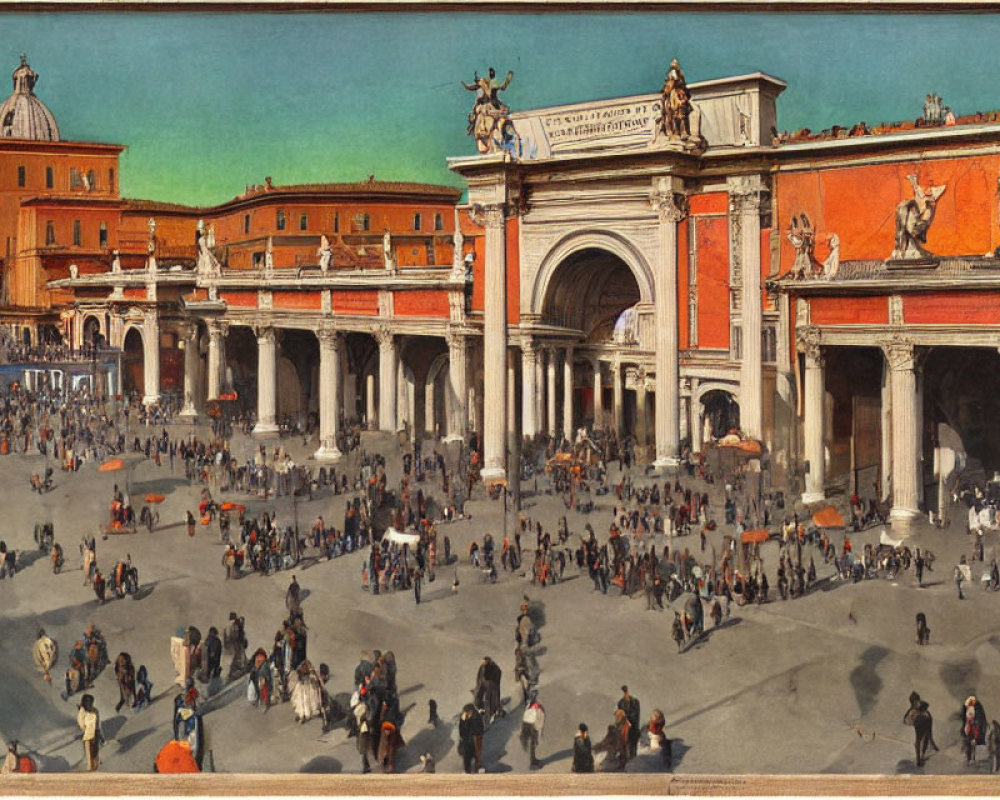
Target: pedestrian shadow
x=415 y=688
x=158 y=486
x=144 y=591
x=439 y=594
x=496 y=741
x=559 y=755
x=303 y=594
x=26 y=558
x=126 y=743
x=437 y=741
x=703 y=637
x=865 y=680
x=961 y=677
x=322 y=764
x=908 y=766
x=110 y=727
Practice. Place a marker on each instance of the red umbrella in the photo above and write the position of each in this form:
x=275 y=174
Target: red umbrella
x=175 y=757
x=756 y=536
x=828 y=517
x=155 y=498
x=111 y=465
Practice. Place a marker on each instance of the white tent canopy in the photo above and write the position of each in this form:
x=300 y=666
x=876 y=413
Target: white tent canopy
x=398 y=537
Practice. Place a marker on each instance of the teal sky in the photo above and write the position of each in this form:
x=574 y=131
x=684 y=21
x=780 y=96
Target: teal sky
x=208 y=103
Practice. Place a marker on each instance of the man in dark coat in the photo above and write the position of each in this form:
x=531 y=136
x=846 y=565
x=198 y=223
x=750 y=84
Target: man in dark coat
x=488 y=688
x=583 y=758
x=630 y=705
x=470 y=738
x=212 y=649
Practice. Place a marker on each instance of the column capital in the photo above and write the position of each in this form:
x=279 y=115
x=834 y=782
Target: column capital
x=329 y=336
x=456 y=340
x=900 y=353
x=217 y=327
x=808 y=342
x=529 y=349
x=385 y=337
x=189 y=330
x=267 y=334
x=491 y=215
x=668 y=199
x=746 y=192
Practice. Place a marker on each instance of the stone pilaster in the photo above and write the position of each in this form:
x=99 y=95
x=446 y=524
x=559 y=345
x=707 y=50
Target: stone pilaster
x=529 y=387
x=551 y=394
x=619 y=398
x=216 y=358
x=330 y=348
x=814 y=422
x=568 y=393
x=668 y=200
x=495 y=410
x=745 y=198
x=598 y=396
x=192 y=361
x=458 y=418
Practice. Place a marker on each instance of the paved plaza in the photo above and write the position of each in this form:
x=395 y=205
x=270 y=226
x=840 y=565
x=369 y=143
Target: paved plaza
x=813 y=685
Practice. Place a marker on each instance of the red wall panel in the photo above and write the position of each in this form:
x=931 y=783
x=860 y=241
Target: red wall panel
x=849 y=310
x=957 y=308
x=422 y=303
x=713 y=282
x=364 y=303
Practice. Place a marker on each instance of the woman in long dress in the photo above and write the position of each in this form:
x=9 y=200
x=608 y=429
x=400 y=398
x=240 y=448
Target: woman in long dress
x=307 y=694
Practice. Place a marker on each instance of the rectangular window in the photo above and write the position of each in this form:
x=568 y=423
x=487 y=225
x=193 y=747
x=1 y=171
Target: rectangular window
x=77 y=233
x=736 y=343
x=336 y=223
x=416 y=222
x=22 y=176
x=246 y=223
x=50 y=232
x=75 y=180
x=304 y=222
x=438 y=222
x=429 y=253
x=281 y=219
x=50 y=178
x=365 y=222
x=258 y=260
x=103 y=234
x=91 y=182
x=111 y=180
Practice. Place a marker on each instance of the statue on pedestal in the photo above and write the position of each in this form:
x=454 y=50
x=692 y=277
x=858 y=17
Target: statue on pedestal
x=803 y=239
x=489 y=122
x=388 y=254
x=325 y=253
x=913 y=218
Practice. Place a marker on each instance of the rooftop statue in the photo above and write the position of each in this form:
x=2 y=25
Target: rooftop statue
x=678 y=120
x=913 y=218
x=488 y=120
x=325 y=253
x=803 y=239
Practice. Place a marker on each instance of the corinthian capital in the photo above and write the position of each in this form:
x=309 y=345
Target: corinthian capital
x=808 y=342
x=671 y=206
x=385 y=338
x=900 y=353
x=745 y=192
x=266 y=334
x=329 y=337
x=488 y=216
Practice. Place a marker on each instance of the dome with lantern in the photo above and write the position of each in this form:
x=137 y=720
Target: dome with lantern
x=23 y=115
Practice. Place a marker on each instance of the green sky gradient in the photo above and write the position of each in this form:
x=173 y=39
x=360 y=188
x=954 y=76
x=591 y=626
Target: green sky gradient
x=208 y=103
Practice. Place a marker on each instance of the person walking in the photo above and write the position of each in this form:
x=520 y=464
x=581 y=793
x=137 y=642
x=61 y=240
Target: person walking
x=532 y=724
x=583 y=757
x=630 y=705
x=962 y=574
x=89 y=721
x=45 y=652
x=470 y=738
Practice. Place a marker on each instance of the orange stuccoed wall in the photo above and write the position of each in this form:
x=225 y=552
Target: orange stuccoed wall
x=858 y=203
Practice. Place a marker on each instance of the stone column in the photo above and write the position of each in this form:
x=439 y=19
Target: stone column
x=886 y=486
x=744 y=193
x=387 y=368
x=641 y=427
x=267 y=382
x=598 y=396
x=667 y=199
x=900 y=356
x=619 y=398
x=539 y=390
x=529 y=387
x=192 y=360
x=495 y=345
x=551 y=394
x=151 y=358
x=216 y=359
x=695 y=425
x=814 y=430
x=458 y=419
x=330 y=348
x=511 y=395
x=370 y=401
x=568 y=393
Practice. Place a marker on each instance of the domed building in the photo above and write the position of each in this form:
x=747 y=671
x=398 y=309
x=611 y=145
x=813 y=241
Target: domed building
x=23 y=115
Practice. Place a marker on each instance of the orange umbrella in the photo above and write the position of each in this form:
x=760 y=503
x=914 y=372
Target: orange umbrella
x=175 y=757
x=111 y=465
x=756 y=536
x=828 y=518
x=228 y=506
x=155 y=498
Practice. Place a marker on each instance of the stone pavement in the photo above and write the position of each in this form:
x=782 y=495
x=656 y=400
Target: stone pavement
x=815 y=685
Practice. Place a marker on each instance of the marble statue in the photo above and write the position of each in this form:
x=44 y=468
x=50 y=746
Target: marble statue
x=116 y=262
x=151 y=246
x=74 y=271
x=832 y=262
x=803 y=239
x=676 y=99
x=913 y=218
x=488 y=120
x=325 y=253
x=388 y=255
x=269 y=256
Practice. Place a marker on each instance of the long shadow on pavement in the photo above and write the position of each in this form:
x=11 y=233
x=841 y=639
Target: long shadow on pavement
x=436 y=741
x=322 y=764
x=865 y=680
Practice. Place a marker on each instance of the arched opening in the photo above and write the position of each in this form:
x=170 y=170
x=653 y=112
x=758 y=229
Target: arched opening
x=416 y=400
x=133 y=378
x=437 y=399
x=720 y=414
x=298 y=379
x=91 y=332
x=588 y=292
x=853 y=414
x=49 y=334
x=360 y=378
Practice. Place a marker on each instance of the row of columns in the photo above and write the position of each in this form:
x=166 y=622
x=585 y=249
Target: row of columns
x=539 y=374
x=901 y=442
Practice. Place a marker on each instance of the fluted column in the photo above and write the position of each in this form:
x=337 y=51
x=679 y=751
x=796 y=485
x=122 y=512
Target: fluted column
x=387 y=368
x=551 y=394
x=886 y=431
x=814 y=423
x=151 y=358
x=598 y=396
x=529 y=387
x=668 y=200
x=744 y=192
x=900 y=356
x=458 y=419
x=511 y=395
x=330 y=346
x=192 y=361
x=216 y=352
x=695 y=426
x=619 y=398
x=568 y=393
x=641 y=426
x=267 y=382
x=539 y=390
x=494 y=345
